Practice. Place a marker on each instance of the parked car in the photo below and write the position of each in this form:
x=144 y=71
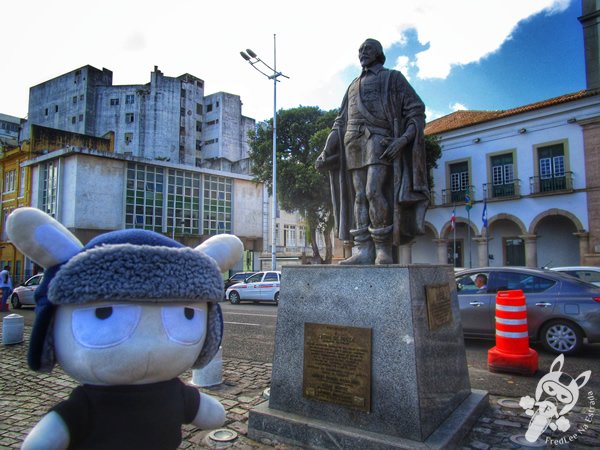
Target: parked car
x=586 y=273
x=23 y=295
x=237 y=278
x=561 y=310
x=260 y=287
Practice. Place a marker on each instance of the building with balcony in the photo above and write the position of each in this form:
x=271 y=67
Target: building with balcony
x=531 y=170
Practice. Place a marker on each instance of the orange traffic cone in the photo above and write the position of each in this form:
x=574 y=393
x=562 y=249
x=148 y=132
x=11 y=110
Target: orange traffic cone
x=512 y=352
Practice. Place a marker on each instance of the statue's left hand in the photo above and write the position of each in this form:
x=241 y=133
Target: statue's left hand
x=394 y=147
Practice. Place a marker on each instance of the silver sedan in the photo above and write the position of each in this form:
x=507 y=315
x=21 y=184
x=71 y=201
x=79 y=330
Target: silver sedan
x=562 y=311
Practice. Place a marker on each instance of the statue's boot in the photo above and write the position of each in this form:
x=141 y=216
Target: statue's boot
x=364 y=244
x=382 y=237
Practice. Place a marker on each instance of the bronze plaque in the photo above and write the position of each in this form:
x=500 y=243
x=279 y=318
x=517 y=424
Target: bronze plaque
x=439 y=308
x=337 y=365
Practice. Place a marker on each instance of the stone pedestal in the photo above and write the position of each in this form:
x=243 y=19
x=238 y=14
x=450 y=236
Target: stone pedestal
x=420 y=395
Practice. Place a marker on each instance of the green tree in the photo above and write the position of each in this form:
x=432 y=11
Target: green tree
x=301 y=134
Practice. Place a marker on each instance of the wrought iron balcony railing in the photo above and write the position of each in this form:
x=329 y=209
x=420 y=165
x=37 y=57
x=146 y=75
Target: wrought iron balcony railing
x=512 y=189
x=541 y=185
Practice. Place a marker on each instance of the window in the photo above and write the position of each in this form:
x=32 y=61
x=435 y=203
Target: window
x=73 y=119
x=75 y=99
x=211 y=141
x=213 y=122
x=182 y=93
x=10 y=181
x=22 y=182
x=271 y=276
x=502 y=281
x=459 y=181
x=209 y=108
x=114 y=101
x=502 y=175
x=289 y=235
x=49 y=188
x=144 y=197
x=217 y=205
x=199 y=108
x=129 y=99
x=46 y=111
x=81 y=117
x=198 y=126
x=182 y=112
x=552 y=173
x=198 y=144
x=301 y=236
x=128 y=138
x=129 y=118
x=55 y=108
x=81 y=97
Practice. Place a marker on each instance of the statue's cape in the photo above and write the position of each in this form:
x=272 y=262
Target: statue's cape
x=411 y=193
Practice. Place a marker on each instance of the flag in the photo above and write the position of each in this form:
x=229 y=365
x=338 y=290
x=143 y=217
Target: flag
x=484 y=218
x=468 y=200
x=453 y=219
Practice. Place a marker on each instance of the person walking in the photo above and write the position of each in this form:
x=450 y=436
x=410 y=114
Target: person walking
x=6 y=285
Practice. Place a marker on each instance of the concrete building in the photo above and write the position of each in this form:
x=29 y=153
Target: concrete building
x=162 y=120
x=92 y=191
x=9 y=130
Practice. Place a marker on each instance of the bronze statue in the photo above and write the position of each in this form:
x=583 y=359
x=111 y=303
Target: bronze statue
x=375 y=155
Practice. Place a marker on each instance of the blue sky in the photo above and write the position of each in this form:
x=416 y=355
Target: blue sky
x=474 y=54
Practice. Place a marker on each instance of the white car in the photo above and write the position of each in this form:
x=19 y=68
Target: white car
x=589 y=274
x=260 y=287
x=23 y=295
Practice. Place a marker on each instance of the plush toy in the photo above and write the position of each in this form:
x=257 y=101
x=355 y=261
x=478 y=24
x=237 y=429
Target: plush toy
x=124 y=315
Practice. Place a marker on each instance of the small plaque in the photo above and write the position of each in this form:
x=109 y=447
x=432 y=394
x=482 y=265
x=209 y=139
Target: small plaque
x=337 y=365
x=439 y=308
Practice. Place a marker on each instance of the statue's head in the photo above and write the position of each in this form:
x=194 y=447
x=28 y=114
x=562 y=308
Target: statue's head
x=371 y=52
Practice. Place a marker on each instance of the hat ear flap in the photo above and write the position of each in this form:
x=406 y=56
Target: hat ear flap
x=225 y=249
x=41 y=238
x=214 y=334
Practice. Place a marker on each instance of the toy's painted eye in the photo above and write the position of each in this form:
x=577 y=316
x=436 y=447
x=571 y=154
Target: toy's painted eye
x=105 y=326
x=184 y=324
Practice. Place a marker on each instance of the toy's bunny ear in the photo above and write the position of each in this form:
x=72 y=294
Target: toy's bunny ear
x=40 y=237
x=225 y=249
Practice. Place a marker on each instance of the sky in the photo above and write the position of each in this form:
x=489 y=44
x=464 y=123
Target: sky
x=457 y=54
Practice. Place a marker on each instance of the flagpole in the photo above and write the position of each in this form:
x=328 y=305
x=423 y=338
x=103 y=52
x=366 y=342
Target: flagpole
x=469 y=237
x=454 y=237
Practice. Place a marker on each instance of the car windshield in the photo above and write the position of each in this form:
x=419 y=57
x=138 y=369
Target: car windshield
x=255 y=278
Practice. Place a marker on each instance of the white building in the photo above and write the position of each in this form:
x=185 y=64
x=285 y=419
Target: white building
x=527 y=167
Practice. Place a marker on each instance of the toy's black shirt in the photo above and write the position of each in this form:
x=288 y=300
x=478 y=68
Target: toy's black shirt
x=129 y=417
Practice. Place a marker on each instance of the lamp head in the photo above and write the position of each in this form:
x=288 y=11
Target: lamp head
x=251 y=53
x=245 y=56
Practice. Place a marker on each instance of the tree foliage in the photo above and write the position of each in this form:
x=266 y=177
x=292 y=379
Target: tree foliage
x=301 y=135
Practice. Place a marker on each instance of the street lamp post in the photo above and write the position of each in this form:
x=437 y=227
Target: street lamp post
x=253 y=59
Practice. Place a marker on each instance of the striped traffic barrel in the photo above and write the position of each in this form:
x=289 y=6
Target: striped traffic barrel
x=511 y=322
x=512 y=352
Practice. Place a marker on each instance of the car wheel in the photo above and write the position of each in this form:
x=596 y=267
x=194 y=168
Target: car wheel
x=276 y=298
x=562 y=337
x=234 y=297
x=16 y=303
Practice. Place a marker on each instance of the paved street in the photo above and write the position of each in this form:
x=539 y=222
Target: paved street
x=25 y=395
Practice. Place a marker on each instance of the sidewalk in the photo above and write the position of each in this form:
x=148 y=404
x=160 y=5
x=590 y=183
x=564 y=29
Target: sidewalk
x=25 y=396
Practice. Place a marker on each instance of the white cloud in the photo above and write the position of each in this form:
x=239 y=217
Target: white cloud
x=403 y=64
x=458 y=107
x=317 y=43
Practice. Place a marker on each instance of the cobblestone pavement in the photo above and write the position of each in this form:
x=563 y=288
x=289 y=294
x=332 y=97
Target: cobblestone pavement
x=25 y=397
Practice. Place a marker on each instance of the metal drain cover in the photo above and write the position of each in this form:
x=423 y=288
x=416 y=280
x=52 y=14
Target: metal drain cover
x=222 y=435
x=509 y=403
x=519 y=439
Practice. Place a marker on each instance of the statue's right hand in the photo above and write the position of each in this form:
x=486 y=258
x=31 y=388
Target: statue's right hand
x=320 y=163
